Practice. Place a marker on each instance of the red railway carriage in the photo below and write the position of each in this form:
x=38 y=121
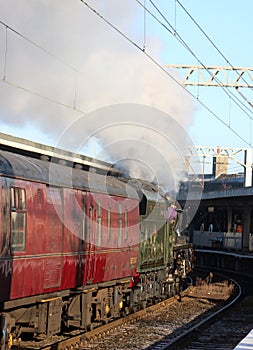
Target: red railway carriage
x=61 y=229
x=112 y=237
x=79 y=248
x=53 y=231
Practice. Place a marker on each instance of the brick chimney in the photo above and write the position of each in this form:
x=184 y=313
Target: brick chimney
x=220 y=164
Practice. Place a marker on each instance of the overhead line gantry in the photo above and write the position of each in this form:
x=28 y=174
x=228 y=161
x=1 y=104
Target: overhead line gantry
x=237 y=77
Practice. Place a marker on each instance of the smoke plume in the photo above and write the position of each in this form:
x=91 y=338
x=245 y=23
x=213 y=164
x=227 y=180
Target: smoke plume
x=88 y=89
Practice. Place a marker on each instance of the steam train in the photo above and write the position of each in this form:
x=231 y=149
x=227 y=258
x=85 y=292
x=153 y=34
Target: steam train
x=79 y=248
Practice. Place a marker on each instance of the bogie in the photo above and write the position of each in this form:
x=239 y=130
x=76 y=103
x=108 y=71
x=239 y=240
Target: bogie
x=76 y=257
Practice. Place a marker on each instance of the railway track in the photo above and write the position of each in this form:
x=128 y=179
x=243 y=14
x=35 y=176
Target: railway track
x=226 y=332
x=161 y=329
x=227 y=329
x=160 y=326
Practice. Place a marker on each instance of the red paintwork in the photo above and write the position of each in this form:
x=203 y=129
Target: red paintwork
x=109 y=260
x=56 y=255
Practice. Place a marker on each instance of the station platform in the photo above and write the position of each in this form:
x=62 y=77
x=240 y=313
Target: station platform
x=246 y=343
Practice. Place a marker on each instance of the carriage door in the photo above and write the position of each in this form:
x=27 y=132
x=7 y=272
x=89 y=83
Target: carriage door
x=90 y=241
x=54 y=237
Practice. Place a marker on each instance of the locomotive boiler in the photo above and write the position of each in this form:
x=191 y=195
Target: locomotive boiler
x=79 y=248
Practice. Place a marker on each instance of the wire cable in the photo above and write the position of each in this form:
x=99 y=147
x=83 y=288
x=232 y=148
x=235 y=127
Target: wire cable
x=5 y=53
x=144 y=27
x=76 y=71
x=5 y=77
x=211 y=41
x=173 y=31
x=37 y=45
x=160 y=66
x=223 y=56
x=42 y=96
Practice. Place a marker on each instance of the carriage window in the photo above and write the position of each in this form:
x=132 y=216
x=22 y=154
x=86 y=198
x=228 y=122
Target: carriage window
x=109 y=218
x=126 y=225
x=84 y=221
x=91 y=212
x=18 y=198
x=120 y=225
x=18 y=218
x=99 y=223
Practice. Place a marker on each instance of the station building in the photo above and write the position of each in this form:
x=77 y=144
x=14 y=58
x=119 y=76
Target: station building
x=219 y=206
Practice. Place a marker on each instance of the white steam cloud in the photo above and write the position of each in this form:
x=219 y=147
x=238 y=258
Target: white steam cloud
x=82 y=63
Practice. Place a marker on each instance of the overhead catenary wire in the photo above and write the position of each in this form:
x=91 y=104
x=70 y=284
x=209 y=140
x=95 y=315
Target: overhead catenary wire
x=173 y=31
x=74 y=68
x=133 y=43
x=7 y=27
x=19 y=87
x=159 y=65
x=175 y=15
x=211 y=41
x=220 y=52
x=7 y=81
x=18 y=33
x=5 y=53
x=144 y=27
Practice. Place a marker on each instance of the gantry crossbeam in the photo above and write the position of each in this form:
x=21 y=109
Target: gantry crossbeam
x=241 y=156
x=236 y=77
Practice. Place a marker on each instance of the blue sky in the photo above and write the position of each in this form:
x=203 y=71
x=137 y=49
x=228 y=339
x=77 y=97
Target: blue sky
x=69 y=62
x=228 y=25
